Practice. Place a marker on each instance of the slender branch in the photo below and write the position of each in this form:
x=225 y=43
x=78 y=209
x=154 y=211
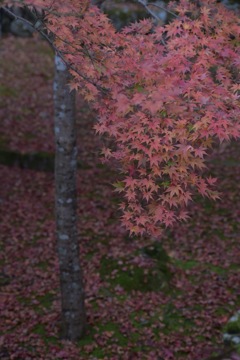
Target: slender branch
x=17 y=17
x=146 y=6
x=163 y=8
x=39 y=26
x=83 y=49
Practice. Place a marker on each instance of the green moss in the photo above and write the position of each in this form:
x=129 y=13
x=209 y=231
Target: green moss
x=42 y=265
x=190 y=264
x=234 y=266
x=46 y=300
x=25 y=300
x=117 y=337
x=174 y=321
x=217 y=269
x=201 y=338
x=171 y=319
x=98 y=353
x=88 y=337
x=138 y=319
x=35 y=238
x=40 y=330
x=8 y=91
x=222 y=311
x=156 y=251
x=185 y=264
x=219 y=233
x=131 y=277
x=89 y=255
x=233 y=325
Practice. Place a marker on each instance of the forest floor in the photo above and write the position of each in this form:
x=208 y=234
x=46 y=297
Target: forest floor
x=144 y=300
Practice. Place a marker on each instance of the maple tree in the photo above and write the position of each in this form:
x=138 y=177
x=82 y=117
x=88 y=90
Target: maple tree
x=163 y=93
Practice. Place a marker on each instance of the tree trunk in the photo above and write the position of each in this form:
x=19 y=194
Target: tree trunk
x=1 y=21
x=73 y=312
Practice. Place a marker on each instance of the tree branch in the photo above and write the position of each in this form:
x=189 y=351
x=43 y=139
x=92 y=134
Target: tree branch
x=145 y=4
x=163 y=8
x=39 y=26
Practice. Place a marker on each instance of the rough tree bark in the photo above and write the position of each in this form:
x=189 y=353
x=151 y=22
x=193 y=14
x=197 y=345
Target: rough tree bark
x=72 y=294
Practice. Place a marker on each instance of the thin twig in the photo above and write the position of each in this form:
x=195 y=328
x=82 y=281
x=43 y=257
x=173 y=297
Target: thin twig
x=163 y=8
x=145 y=4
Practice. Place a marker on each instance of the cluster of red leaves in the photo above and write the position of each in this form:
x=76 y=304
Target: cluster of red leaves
x=202 y=296
x=164 y=94
x=179 y=94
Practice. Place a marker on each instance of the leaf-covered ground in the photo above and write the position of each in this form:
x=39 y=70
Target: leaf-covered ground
x=166 y=300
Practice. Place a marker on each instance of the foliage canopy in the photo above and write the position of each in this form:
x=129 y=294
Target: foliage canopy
x=164 y=94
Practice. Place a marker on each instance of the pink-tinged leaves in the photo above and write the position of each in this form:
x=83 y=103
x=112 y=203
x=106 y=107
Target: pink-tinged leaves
x=163 y=95
x=211 y=180
x=174 y=190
